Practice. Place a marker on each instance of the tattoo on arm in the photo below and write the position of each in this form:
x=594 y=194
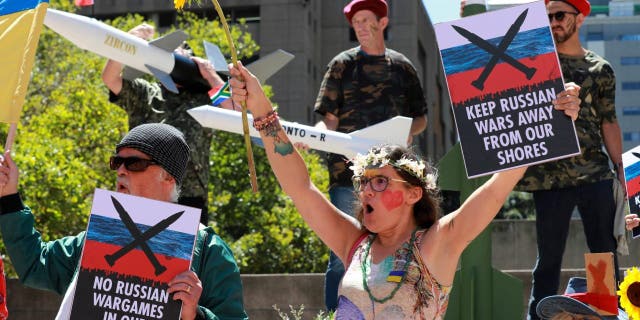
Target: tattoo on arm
x=280 y=146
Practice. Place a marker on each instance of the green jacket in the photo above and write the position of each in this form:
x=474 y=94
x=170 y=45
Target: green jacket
x=52 y=265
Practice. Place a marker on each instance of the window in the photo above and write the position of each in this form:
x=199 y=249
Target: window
x=595 y=36
x=631 y=111
x=625 y=61
x=630 y=37
x=631 y=136
x=631 y=86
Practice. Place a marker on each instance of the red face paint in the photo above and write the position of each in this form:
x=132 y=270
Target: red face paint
x=391 y=200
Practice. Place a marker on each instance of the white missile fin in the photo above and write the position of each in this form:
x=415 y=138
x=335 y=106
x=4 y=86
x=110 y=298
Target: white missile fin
x=164 y=78
x=171 y=41
x=393 y=131
x=215 y=56
x=267 y=66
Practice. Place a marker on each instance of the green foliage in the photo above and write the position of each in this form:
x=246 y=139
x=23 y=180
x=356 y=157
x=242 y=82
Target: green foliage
x=68 y=131
x=264 y=230
x=519 y=205
x=298 y=314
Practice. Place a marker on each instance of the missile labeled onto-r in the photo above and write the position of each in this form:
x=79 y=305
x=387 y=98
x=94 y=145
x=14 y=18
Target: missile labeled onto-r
x=392 y=131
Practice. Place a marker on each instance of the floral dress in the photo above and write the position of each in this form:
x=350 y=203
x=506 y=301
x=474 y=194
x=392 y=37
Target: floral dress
x=402 y=291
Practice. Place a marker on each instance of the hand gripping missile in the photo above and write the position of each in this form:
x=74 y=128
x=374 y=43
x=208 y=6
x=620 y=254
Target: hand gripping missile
x=392 y=131
x=156 y=57
x=107 y=41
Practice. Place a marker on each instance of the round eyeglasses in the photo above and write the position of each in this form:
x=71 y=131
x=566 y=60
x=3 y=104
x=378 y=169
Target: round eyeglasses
x=377 y=183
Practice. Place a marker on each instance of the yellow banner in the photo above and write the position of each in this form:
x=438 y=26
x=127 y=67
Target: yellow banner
x=19 y=33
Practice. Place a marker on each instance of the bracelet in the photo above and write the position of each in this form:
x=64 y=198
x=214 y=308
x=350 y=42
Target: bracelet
x=263 y=122
x=617 y=166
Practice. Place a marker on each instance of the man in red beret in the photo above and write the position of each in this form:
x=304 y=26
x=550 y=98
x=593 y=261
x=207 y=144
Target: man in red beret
x=363 y=86
x=586 y=180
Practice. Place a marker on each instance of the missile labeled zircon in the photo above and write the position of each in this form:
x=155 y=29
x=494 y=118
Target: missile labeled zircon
x=107 y=41
x=392 y=131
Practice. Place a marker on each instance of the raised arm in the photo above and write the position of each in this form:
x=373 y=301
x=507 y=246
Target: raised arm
x=112 y=72
x=336 y=229
x=446 y=240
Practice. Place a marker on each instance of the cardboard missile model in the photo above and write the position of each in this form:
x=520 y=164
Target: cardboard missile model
x=155 y=57
x=392 y=131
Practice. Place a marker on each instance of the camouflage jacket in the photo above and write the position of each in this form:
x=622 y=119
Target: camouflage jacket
x=598 y=87
x=362 y=90
x=147 y=102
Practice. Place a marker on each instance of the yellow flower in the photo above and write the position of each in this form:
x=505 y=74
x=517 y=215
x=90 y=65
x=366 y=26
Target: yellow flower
x=179 y=4
x=630 y=293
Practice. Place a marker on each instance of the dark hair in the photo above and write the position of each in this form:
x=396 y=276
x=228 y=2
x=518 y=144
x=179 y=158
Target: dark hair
x=427 y=210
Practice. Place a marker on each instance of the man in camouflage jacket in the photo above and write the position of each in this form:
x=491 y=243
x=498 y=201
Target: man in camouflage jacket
x=584 y=180
x=363 y=86
x=147 y=102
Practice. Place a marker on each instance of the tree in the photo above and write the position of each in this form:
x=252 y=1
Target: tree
x=68 y=131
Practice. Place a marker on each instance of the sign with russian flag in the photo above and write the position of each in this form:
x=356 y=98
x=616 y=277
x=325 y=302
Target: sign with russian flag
x=631 y=163
x=134 y=246
x=503 y=73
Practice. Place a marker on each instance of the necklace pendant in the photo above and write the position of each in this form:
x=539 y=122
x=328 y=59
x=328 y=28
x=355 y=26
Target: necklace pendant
x=395 y=276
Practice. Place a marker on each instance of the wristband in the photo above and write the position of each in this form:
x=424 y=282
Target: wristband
x=219 y=94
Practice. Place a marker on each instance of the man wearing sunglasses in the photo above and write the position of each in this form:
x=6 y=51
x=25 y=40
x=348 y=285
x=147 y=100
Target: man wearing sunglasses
x=586 y=180
x=146 y=102
x=150 y=162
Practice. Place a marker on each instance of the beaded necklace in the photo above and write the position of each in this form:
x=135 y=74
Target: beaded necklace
x=404 y=272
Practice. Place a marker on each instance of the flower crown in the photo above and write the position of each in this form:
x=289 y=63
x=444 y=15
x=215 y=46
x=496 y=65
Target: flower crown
x=378 y=158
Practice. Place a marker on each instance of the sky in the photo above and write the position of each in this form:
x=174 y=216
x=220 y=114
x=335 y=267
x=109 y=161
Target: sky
x=442 y=10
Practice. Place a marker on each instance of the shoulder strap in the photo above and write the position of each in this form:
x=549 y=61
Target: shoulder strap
x=355 y=245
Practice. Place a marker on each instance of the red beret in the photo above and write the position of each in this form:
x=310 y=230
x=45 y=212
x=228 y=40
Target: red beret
x=583 y=6
x=379 y=7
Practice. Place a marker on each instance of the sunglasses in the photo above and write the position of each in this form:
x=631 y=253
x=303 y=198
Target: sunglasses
x=377 y=183
x=133 y=164
x=559 y=16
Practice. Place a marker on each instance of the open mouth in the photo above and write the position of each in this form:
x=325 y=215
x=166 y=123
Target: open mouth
x=368 y=209
x=122 y=188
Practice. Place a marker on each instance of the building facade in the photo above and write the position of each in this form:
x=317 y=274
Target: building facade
x=613 y=31
x=315 y=31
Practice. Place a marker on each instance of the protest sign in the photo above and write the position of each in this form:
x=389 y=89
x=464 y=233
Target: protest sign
x=134 y=246
x=631 y=163
x=503 y=73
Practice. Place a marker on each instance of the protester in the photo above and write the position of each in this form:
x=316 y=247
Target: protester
x=363 y=86
x=401 y=257
x=586 y=180
x=150 y=162
x=147 y=102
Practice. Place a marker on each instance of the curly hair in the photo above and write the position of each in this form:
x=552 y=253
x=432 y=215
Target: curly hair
x=427 y=210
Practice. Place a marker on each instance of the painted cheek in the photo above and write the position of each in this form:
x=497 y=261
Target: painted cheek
x=392 y=200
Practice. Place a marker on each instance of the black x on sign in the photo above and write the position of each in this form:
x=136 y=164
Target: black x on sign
x=497 y=53
x=140 y=238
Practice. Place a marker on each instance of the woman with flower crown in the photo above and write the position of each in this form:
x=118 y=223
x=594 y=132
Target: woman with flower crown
x=401 y=257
